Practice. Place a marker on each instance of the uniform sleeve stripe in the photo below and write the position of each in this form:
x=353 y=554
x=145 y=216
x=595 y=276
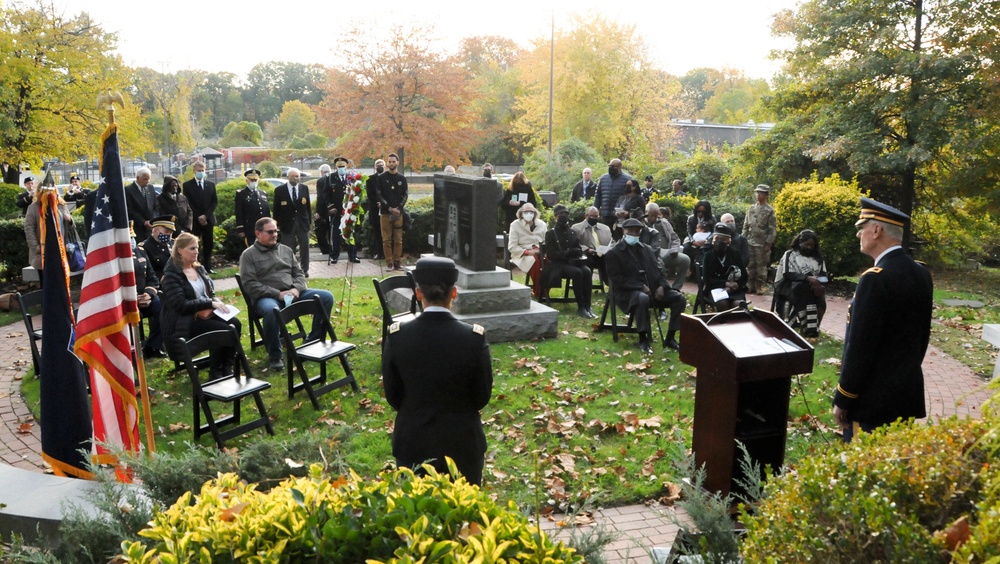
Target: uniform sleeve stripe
x=846 y=394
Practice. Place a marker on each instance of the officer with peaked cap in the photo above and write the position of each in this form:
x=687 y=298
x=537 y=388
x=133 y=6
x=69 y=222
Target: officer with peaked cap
x=160 y=242
x=26 y=196
x=888 y=328
x=251 y=205
x=437 y=375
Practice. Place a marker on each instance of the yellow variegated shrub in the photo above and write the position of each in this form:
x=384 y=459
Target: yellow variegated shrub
x=399 y=518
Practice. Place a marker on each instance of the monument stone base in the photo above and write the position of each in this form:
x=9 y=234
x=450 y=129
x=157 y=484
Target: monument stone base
x=492 y=299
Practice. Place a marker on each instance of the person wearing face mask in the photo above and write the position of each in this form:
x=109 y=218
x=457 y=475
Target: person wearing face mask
x=487 y=170
x=335 y=210
x=251 y=205
x=203 y=199
x=391 y=189
x=525 y=236
x=321 y=220
x=293 y=211
x=160 y=243
x=564 y=259
x=723 y=268
x=740 y=242
x=172 y=202
x=372 y=215
x=638 y=285
x=594 y=239
x=799 y=291
x=516 y=195
x=610 y=187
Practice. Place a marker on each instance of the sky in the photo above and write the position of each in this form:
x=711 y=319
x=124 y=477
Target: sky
x=234 y=36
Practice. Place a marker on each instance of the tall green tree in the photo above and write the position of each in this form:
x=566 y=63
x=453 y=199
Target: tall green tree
x=166 y=101
x=893 y=87
x=216 y=101
x=490 y=62
x=241 y=134
x=269 y=85
x=52 y=68
x=295 y=121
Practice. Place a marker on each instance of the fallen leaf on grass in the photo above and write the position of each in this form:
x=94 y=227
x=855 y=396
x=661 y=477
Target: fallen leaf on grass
x=174 y=427
x=582 y=335
x=638 y=366
x=673 y=494
x=349 y=332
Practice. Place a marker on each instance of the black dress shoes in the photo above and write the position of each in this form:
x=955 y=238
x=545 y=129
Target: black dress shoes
x=671 y=343
x=153 y=353
x=645 y=348
x=356 y=260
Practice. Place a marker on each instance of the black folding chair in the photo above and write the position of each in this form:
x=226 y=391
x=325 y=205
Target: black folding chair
x=404 y=283
x=28 y=302
x=256 y=323
x=320 y=350
x=231 y=388
x=611 y=306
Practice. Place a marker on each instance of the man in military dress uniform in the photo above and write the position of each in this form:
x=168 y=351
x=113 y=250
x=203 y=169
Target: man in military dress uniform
x=160 y=242
x=888 y=328
x=251 y=205
x=335 y=207
x=761 y=229
x=147 y=288
x=437 y=375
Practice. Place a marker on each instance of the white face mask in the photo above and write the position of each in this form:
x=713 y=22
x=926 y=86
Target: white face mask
x=252 y=185
x=528 y=216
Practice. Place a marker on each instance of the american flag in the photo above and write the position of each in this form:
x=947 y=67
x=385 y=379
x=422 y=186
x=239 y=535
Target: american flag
x=108 y=307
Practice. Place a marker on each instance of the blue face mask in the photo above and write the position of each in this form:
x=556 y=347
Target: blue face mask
x=631 y=239
x=163 y=237
x=132 y=242
x=341 y=170
x=200 y=174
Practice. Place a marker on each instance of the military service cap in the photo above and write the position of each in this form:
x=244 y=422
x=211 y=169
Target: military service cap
x=872 y=209
x=168 y=221
x=436 y=271
x=341 y=160
x=252 y=174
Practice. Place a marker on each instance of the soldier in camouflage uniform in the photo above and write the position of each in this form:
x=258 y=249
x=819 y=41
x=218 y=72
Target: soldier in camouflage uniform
x=761 y=229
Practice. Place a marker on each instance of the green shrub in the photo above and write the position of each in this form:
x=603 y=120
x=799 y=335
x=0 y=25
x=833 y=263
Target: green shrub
x=422 y=213
x=399 y=518
x=13 y=248
x=829 y=207
x=881 y=498
x=8 y=199
x=560 y=173
x=268 y=170
x=701 y=174
x=226 y=193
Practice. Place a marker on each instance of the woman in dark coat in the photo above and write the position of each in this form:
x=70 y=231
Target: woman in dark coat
x=172 y=202
x=516 y=195
x=189 y=301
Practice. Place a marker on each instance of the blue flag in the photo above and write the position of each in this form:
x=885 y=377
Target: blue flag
x=66 y=424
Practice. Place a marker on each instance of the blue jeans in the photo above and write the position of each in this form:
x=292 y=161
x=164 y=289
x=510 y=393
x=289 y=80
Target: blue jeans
x=265 y=309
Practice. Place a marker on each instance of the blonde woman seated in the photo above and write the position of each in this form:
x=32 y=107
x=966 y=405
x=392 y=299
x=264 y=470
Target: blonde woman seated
x=524 y=242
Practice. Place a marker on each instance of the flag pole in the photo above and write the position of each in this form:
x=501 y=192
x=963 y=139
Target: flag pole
x=107 y=101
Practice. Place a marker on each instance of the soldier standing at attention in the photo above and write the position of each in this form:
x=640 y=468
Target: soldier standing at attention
x=251 y=205
x=888 y=328
x=761 y=229
x=437 y=375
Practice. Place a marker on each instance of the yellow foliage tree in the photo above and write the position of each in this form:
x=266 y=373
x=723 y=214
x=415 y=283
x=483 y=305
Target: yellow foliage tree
x=395 y=94
x=54 y=67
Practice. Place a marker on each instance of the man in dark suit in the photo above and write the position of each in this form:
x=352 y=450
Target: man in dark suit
x=564 y=259
x=335 y=210
x=140 y=200
x=888 y=328
x=251 y=205
x=437 y=375
x=293 y=212
x=201 y=195
x=639 y=284
x=322 y=221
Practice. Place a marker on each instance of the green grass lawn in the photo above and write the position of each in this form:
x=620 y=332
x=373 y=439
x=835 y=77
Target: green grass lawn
x=958 y=330
x=574 y=420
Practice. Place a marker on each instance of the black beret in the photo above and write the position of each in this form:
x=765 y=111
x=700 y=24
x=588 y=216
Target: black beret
x=436 y=271
x=871 y=209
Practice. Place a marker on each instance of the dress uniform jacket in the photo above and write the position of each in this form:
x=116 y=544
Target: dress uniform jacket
x=251 y=205
x=437 y=375
x=157 y=252
x=888 y=328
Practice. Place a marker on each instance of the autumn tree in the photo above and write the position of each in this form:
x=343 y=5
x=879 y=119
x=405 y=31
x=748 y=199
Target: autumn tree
x=900 y=90
x=607 y=92
x=165 y=99
x=394 y=93
x=490 y=62
x=53 y=68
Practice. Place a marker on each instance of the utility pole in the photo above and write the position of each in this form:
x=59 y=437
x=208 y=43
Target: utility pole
x=552 y=66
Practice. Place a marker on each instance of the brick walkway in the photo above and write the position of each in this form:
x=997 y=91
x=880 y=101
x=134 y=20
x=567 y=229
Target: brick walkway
x=951 y=389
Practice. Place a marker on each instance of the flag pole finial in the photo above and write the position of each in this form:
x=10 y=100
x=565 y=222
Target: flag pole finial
x=107 y=100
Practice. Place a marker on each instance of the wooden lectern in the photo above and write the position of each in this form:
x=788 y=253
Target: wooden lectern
x=745 y=361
